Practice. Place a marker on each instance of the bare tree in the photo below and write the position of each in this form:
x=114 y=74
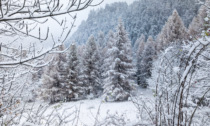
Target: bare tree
x=24 y=32
x=24 y=19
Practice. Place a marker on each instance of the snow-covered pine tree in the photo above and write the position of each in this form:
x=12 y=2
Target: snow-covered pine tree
x=101 y=49
x=119 y=84
x=54 y=79
x=101 y=40
x=50 y=81
x=139 y=65
x=91 y=75
x=173 y=31
x=75 y=91
x=62 y=74
x=108 y=53
x=138 y=42
x=146 y=62
x=81 y=73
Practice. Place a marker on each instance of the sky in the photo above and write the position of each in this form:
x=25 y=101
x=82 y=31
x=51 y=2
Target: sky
x=83 y=15
x=55 y=29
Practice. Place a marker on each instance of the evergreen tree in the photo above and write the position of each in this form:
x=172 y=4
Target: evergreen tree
x=118 y=84
x=173 y=31
x=101 y=40
x=54 y=79
x=139 y=64
x=62 y=74
x=138 y=42
x=108 y=53
x=50 y=83
x=91 y=77
x=141 y=17
x=74 y=89
x=81 y=74
x=101 y=49
x=146 y=62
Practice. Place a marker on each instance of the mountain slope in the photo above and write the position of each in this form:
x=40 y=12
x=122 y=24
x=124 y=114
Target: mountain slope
x=141 y=17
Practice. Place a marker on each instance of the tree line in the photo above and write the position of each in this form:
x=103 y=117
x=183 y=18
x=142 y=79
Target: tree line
x=112 y=67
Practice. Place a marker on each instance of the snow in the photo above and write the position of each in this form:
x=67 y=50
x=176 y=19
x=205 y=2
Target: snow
x=206 y=19
x=89 y=109
x=176 y=69
x=96 y=109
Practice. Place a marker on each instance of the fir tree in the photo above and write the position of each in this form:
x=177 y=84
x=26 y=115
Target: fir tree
x=108 y=53
x=118 y=84
x=54 y=79
x=138 y=42
x=139 y=64
x=101 y=49
x=74 y=89
x=91 y=77
x=101 y=40
x=62 y=74
x=146 y=62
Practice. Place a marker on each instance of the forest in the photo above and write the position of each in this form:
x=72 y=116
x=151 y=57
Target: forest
x=143 y=64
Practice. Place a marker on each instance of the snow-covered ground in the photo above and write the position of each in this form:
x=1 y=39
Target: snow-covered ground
x=92 y=112
x=96 y=110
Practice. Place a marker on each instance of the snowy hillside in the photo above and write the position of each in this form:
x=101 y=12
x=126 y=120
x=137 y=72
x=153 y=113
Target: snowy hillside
x=141 y=17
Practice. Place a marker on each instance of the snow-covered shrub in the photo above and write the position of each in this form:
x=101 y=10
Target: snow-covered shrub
x=173 y=77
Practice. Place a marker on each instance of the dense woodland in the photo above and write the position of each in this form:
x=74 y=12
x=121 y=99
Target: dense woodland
x=113 y=68
x=141 y=17
x=168 y=61
x=160 y=46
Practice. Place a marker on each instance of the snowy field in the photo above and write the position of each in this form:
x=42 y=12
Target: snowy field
x=92 y=112
x=95 y=111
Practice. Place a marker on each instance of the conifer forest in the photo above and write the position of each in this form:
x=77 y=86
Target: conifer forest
x=105 y=62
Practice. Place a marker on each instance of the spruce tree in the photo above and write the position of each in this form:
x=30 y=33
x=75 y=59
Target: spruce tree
x=91 y=73
x=119 y=84
x=74 y=89
x=108 y=54
x=146 y=62
x=101 y=49
x=54 y=78
x=139 y=64
x=101 y=40
x=138 y=42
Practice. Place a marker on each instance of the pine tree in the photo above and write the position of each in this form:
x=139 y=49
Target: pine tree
x=146 y=62
x=108 y=53
x=138 y=42
x=101 y=40
x=81 y=73
x=118 y=84
x=62 y=75
x=173 y=31
x=101 y=49
x=74 y=89
x=139 y=64
x=49 y=83
x=91 y=77
x=54 y=79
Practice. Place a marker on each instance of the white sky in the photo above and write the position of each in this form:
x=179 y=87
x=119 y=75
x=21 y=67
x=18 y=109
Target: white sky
x=83 y=15
x=55 y=28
